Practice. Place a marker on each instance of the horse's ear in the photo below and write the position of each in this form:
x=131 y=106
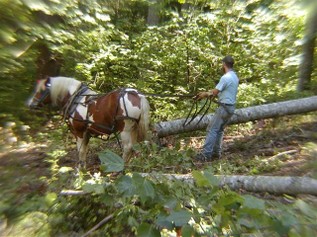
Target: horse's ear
x=48 y=82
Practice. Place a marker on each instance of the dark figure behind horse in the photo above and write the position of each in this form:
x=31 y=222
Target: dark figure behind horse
x=124 y=111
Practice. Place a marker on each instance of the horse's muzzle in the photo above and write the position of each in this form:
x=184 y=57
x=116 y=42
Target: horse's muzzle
x=32 y=104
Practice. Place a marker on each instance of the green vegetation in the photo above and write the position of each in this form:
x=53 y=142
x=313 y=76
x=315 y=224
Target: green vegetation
x=108 y=44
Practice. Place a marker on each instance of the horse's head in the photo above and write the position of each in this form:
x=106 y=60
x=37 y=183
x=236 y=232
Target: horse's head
x=41 y=95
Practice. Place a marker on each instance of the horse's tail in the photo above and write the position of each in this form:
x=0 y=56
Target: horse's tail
x=144 y=122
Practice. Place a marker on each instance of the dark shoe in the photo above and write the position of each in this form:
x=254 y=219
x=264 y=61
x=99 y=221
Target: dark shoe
x=216 y=156
x=202 y=158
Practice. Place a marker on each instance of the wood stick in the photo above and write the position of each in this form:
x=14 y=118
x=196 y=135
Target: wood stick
x=102 y=222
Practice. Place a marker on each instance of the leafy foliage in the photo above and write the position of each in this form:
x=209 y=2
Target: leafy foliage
x=108 y=45
x=148 y=206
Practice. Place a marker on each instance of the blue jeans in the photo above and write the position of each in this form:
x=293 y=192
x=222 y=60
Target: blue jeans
x=213 y=142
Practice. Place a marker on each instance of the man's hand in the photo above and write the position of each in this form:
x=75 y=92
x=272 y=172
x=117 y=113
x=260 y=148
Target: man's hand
x=203 y=95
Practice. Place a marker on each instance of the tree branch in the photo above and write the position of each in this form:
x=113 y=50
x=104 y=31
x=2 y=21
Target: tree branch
x=102 y=222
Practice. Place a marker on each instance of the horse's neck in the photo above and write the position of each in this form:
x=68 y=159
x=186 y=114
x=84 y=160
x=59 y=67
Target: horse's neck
x=64 y=90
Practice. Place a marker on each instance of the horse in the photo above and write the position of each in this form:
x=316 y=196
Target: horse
x=124 y=111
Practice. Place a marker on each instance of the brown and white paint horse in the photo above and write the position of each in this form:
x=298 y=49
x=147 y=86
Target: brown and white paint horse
x=125 y=111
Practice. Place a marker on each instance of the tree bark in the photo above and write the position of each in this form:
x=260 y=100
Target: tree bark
x=48 y=64
x=306 y=66
x=298 y=106
x=153 y=13
x=271 y=184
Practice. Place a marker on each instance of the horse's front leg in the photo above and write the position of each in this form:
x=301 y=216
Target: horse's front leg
x=129 y=138
x=82 y=148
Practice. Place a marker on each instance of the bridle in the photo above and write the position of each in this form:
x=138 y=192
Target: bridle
x=44 y=95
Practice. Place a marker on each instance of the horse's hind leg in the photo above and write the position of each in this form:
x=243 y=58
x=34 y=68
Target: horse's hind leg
x=82 y=148
x=129 y=138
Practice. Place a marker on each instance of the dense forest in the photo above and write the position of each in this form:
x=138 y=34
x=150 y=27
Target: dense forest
x=161 y=47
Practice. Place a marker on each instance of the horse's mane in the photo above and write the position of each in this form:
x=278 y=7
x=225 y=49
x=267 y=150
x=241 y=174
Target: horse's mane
x=61 y=86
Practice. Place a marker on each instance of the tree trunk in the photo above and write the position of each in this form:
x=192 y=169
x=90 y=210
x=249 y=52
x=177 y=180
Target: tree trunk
x=48 y=64
x=271 y=184
x=306 y=66
x=153 y=13
x=298 y=106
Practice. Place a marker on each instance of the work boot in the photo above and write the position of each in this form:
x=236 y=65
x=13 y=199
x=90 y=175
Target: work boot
x=216 y=156
x=202 y=158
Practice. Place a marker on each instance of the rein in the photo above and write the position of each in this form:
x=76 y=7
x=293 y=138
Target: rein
x=190 y=118
x=196 y=112
x=168 y=95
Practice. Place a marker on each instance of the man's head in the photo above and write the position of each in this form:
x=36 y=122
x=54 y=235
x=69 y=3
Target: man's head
x=228 y=61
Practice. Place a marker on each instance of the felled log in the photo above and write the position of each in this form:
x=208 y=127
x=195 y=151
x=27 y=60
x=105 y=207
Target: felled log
x=253 y=113
x=271 y=184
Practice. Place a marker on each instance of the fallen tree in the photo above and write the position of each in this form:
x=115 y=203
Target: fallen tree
x=272 y=110
x=271 y=184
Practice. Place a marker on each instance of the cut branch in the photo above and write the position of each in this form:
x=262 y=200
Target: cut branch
x=102 y=222
x=72 y=193
x=298 y=106
x=290 y=152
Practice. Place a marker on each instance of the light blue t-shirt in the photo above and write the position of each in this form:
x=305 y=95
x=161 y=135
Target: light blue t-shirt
x=228 y=87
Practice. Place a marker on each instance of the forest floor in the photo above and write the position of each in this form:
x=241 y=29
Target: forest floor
x=280 y=147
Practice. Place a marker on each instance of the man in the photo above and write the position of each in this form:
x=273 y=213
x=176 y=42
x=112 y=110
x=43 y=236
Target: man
x=226 y=90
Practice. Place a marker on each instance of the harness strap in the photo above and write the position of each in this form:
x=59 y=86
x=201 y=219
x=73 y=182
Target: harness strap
x=69 y=106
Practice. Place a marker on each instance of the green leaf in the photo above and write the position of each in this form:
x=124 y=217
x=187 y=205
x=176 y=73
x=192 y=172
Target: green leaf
x=179 y=218
x=111 y=162
x=147 y=230
x=253 y=202
x=126 y=186
x=199 y=178
x=93 y=188
x=306 y=208
x=188 y=231
x=144 y=187
x=205 y=179
x=50 y=198
x=162 y=222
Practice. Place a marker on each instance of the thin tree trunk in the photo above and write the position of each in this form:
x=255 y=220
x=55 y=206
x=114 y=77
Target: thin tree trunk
x=47 y=63
x=306 y=66
x=298 y=106
x=153 y=13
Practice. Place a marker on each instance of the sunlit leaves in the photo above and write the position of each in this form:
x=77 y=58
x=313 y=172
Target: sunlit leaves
x=205 y=178
x=179 y=218
x=137 y=186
